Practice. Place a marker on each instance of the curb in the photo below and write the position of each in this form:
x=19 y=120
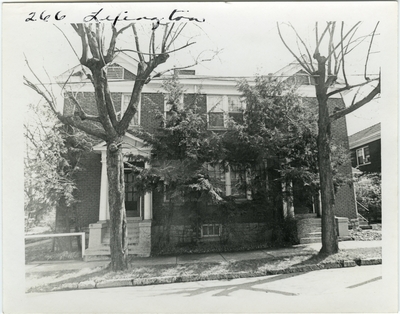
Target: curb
x=113 y=283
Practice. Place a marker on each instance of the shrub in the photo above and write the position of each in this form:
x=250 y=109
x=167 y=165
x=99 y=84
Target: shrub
x=368 y=193
x=284 y=232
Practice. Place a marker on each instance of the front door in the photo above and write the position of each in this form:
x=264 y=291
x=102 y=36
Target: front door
x=132 y=197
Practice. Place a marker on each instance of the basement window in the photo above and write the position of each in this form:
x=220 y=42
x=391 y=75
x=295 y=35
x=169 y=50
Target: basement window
x=211 y=230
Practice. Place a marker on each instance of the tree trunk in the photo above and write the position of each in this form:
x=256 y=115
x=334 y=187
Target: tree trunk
x=329 y=232
x=116 y=197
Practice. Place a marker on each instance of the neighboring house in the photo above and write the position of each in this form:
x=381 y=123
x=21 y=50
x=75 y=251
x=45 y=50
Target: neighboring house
x=365 y=149
x=219 y=98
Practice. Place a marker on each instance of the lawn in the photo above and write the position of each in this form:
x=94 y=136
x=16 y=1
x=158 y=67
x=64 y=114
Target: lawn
x=51 y=281
x=42 y=250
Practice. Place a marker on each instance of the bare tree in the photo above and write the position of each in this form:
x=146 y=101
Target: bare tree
x=106 y=125
x=325 y=67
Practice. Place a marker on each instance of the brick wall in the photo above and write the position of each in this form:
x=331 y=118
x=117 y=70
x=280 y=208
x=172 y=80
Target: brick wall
x=150 y=104
x=88 y=190
x=234 y=233
x=88 y=103
x=345 y=198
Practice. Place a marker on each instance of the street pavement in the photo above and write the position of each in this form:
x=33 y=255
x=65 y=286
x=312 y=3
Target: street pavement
x=356 y=289
x=301 y=249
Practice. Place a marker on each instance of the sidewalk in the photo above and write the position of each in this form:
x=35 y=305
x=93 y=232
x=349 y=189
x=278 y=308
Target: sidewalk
x=302 y=249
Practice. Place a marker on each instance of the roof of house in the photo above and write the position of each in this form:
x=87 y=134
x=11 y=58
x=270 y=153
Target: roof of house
x=208 y=84
x=365 y=136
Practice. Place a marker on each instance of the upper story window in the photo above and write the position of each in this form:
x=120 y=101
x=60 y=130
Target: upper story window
x=115 y=72
x=169 y=102
x=124 y=104
x=301 y=78
x=363 y=156
x=236 y=108
x=220 y=107
x=235 y=104
x=215 y=111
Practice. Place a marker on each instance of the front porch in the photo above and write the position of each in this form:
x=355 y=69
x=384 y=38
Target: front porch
x=139 y=209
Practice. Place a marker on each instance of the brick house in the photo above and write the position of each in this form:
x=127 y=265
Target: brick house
x=365 y=149
x=219 y=98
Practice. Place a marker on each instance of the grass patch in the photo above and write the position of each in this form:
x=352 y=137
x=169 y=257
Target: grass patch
x=53 y=280
x=43 y=251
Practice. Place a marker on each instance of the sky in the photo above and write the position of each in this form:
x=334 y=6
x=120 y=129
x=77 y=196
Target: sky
x=240 y=38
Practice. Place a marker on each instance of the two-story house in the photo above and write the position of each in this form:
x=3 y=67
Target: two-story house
x=219 y=99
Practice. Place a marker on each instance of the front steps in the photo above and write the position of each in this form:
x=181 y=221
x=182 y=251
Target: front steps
x=139 y=241
x=363 y=223
x=308 y=228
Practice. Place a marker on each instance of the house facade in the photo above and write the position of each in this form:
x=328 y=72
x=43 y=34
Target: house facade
x=365 y=149
x=146 y=213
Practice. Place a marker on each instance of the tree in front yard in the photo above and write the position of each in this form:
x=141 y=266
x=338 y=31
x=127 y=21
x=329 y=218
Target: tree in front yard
x=53 y=151
x=99 y=45
x=324 y=64
x=278 y=132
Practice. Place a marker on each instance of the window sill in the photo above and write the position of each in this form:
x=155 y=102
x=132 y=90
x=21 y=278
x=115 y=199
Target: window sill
x=134 y=218
x=366 y=164
x=209 y=238
x=217 y=128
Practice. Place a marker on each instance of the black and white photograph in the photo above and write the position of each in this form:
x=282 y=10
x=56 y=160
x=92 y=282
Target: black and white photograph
x=188 y=157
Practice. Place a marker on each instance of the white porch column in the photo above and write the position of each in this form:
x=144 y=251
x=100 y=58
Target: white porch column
x=288 y=208
x=248 y=181
x=103 y=210
x=148 y=202
x=228 y=184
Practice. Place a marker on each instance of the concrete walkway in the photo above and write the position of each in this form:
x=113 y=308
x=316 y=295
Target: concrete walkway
x=301 y=249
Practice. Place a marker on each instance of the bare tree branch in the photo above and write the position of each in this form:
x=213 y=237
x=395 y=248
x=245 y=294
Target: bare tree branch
x=347 y=34
x=167 y=36
x=163 y=42
x=331 y=34
x=306 y=48
x=339 y=90
x=100 y=42
x=158 y=53
x=153 y=45
x=110 y=105
x=304 y=65
x=38 y=79
x=319 y=40
x=369 y=50
x=92 y=42
x=197 y=61
x=343 y=55
x=71 y=120
x=176 y=35
x=80 y=29
x=76 y=54
x=82 y=114
x=139 y=53
x=362 y=102
x=150 y=45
